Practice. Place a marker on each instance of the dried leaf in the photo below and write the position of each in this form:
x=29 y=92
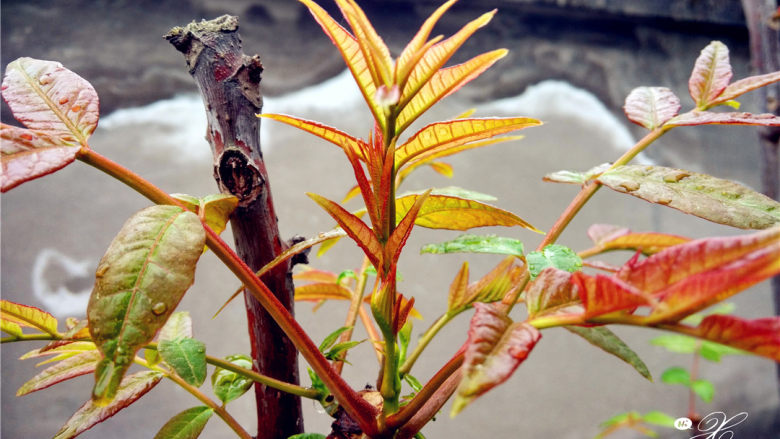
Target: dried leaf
x=71 y=367
x=187 y=424
x=711 y=198
x=711 y=74
x=495 y=348
x=651 y=107
x=145 y=272
x=131 y=388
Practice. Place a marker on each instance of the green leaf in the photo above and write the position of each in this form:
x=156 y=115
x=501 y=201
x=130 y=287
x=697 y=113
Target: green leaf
x=413 y=382
x=331 y=338
x=187 y=424
x=676 y=375
x=719 y=309
x=317 y=383
x=711 y=198
x=229 y=385
x=573 y=177
x=681 y=344
x=477 y=244
x=178 y=326
x=335 y=352
x=130 y=389
x=187 y=357
x=705 y=389
x=495 y=348
x=404 y=337
x=659 y=418
x=307 y=436
x=714 y=351
x=554 y=255
x=144 y=274
x=603 y=338
x=651 y=107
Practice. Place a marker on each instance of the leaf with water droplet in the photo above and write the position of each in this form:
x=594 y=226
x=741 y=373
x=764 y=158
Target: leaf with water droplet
x=714 y=199
x=187 y=357
x=229 y=385
x=152 y=260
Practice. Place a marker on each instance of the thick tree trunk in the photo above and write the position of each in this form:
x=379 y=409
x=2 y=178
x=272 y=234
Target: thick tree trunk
x=763 y=20
x=229 y=82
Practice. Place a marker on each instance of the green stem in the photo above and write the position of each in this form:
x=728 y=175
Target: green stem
x=360 y=410
x=425 y=339
x=194 y=391
x=591 y=187
x=30 y=337
x=263 y=379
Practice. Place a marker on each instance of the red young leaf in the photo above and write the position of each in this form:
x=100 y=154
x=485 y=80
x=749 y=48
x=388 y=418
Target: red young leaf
x=47 y=97
x=355 y=228
x=761 y=336
x=694 y=118
x=607 y=237
x=651 y=107
x=404 y=228
x=457 y=296
x=494 y=350
x=604 y=295
x=711 y=74
x=71 y=367
x=738 y=88
x=132 y=387
x=552 y=292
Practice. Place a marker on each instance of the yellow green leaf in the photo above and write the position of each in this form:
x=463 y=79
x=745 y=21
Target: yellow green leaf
x=322 y=291
x=455 y=213
x=443 y=83
x=374 y=49
x=10 y=328
x=353 y=56
x=436 y=56
x=28 y=316
x=412 y=52
x=443 y=136
x=458 y=293
x=332 y=135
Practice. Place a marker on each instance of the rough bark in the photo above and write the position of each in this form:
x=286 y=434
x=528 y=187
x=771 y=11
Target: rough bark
x=229 y=82
x=763 y=20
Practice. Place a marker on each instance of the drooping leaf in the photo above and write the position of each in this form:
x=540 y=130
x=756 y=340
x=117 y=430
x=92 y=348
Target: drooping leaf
x=178 y=326
x=477 y=244
x=454 y=213
x=603 y=338
x=229 y=385
x=711 y=74
x=443 y=83
x=651 y=107
x=187 y=424
x=695 y=118
x=145 y=272
x=738 y=88
x=130 y=389
x=572 y=177
x=435 y=58
x=74 y=366
x=322 y=291
x=187 y=357
x=353 y=226
x=332 y=135
x=353 y=56
x=554 y=255
x=550 y=293
x=441 y=136
x=759 y=336
x=28 y=316
x=711 y=198
x=495 y=348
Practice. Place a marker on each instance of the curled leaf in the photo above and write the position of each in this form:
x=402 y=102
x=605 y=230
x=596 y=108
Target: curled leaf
x=144 y=274
x=229 y=385
x=714 y=199
x=495 y=348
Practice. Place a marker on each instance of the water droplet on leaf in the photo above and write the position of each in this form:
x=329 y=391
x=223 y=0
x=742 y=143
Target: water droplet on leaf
x=629 y=186
x=159 y=308
x=63 y=101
